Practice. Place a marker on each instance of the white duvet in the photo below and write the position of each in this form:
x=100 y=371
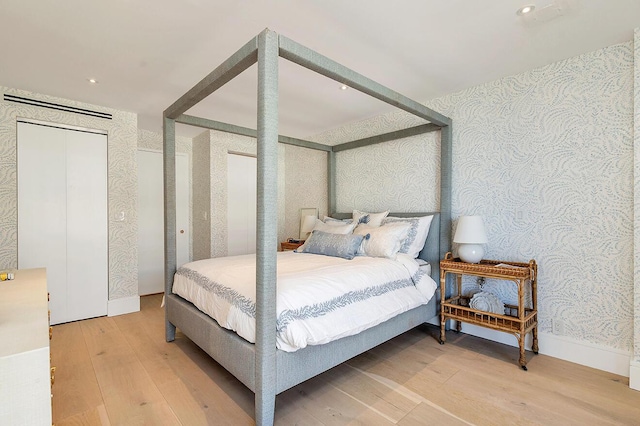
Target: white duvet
x=320 y=298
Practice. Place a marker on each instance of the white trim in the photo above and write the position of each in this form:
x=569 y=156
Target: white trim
x=634 y=375
x=61 y=126
x=584 y=353
x=124 y=305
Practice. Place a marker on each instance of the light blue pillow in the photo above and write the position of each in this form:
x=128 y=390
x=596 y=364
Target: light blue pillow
x=337 y=245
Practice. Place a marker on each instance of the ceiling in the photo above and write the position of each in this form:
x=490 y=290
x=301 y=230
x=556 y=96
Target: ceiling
x=145 y=54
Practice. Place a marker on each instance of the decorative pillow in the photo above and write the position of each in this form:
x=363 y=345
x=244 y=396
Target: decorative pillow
x=374 y=219
x=339 y=228
x=383 y=241
x=337 y=245
x=418 y=232
x=334 y=228
x=333 y=222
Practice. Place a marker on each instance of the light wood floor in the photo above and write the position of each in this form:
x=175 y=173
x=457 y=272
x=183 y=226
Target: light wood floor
x=120 y=371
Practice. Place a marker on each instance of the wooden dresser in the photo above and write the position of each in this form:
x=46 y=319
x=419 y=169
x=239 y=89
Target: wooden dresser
x=25 y=374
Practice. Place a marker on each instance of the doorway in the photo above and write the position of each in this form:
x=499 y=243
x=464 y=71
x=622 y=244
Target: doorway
x=151 y=219
x=241 y=204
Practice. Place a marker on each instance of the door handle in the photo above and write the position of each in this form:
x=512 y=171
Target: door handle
x=182 y=231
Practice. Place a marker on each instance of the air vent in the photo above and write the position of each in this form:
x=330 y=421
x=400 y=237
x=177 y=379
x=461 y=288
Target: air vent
x=58 y=107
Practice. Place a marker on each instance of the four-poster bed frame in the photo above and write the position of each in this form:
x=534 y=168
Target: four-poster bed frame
x=260 y=366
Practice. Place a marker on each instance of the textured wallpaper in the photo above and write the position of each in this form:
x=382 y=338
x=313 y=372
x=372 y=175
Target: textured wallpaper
x=398 y=175
x=306 y=185
x=153 y=141
x=122 y=185
x=400 y=171
x=546 y=157
x=636 y=126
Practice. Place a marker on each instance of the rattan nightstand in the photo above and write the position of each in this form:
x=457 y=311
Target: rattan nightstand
x=519 y=320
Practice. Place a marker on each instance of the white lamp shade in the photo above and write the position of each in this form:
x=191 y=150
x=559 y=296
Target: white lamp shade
x=470 y=230
x=308 y=222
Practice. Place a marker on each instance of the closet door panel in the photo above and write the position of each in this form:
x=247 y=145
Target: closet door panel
x=42 y=217
x=87 y=261
x=241 y=204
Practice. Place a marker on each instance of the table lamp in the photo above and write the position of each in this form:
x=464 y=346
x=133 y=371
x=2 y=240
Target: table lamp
x=471 y=236
x=308 y=222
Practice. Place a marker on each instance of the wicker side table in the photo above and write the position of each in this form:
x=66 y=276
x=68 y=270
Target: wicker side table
x=288 y=245
x=519 y=320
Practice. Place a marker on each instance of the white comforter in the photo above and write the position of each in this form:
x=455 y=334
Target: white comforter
x=320 y=298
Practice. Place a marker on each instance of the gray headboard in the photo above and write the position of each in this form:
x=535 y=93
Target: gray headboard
x=431 y=250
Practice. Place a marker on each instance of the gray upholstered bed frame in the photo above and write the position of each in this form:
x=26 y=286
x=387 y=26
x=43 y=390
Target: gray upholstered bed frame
x=262 y=368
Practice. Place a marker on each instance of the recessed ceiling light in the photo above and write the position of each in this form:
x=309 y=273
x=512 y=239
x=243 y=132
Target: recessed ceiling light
x=92 y=80
x=344 y=87
x=525 y=9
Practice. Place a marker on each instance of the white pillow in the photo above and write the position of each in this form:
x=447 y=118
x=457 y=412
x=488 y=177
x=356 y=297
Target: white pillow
x=375 y=219
x=336 y=222
x=383 y=241
x=334 y=228
x=418 y=232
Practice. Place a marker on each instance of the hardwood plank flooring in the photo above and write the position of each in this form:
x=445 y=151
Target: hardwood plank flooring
x=120 y=371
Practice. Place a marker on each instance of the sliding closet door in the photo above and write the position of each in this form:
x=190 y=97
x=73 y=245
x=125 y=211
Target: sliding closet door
x=241 y=204
x=42 y=209
x=87 y=241
x=62 y=216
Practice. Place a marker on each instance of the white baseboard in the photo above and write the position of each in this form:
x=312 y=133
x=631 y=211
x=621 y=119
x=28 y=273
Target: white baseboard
x=634 y=375
x=124 y=305
x=584 y=353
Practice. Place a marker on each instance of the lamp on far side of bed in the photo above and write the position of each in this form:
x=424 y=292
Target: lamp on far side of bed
x=471 y=236
x=308 y=218
x=308 y=222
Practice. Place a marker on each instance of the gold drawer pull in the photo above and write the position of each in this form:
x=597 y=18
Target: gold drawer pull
x=50 y=332
x=53 y=375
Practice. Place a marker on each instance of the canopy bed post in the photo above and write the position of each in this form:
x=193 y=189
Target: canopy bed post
x=267 y=227
x=446 y=140
x=169 y=161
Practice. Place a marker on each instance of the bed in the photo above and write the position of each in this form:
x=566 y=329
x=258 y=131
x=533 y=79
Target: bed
x=263 y=368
